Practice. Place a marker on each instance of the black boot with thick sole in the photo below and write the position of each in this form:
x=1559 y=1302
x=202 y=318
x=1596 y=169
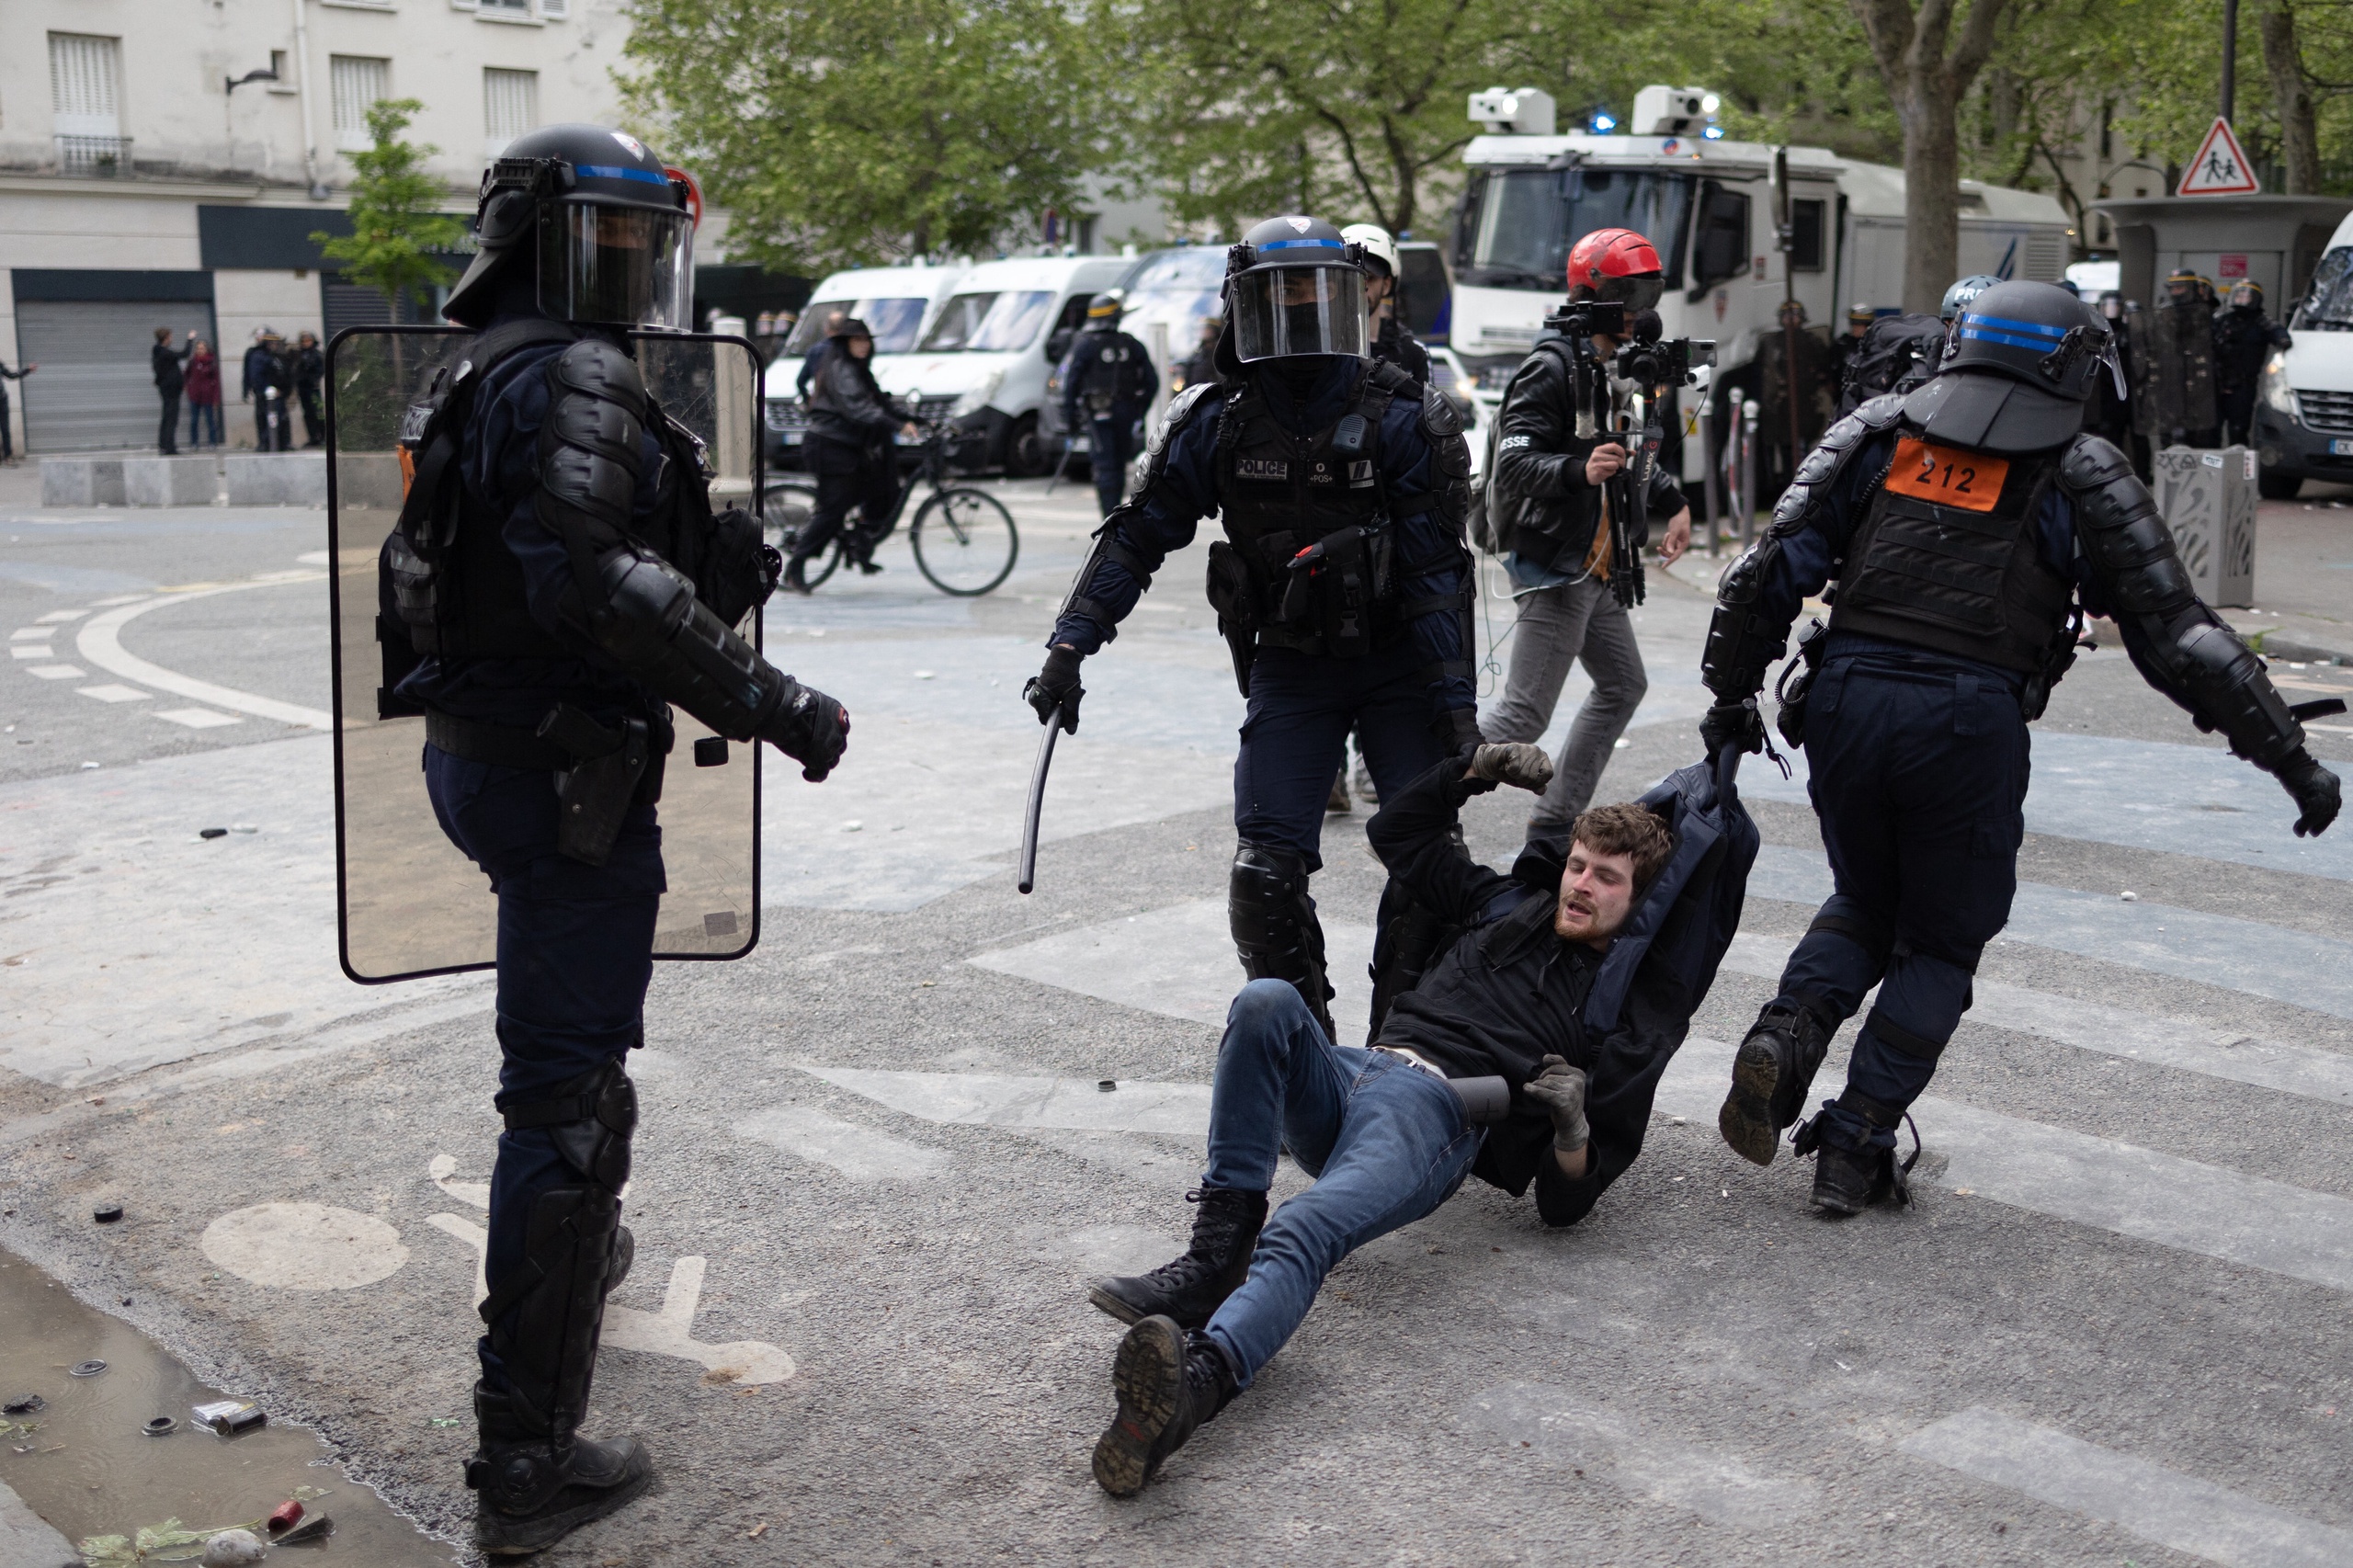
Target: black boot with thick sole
x=532 y=1492
x=1769 y=1078
x=1848 y=1181
x=1168 y=1382
x=1191 y=1288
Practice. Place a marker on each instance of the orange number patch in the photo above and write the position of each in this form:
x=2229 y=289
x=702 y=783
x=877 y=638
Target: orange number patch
x=1971 y=480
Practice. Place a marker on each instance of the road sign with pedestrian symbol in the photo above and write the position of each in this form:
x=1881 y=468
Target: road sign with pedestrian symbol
x=2219 y=168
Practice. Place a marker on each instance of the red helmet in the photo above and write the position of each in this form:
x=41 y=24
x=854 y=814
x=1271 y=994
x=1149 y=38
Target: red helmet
x=1616 y=264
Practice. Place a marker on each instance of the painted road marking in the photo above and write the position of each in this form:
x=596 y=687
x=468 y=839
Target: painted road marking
x=32 y=651
x=99 y=641
x=2295 y=967
x=197 y=718
x=988 y=1099
x=861 y=1153
x=305 y=1246
x=31 y=634
x=57 y=672
x=2116 y=1031
x=2180 y=1512
x=60 y=616
x=115 y=693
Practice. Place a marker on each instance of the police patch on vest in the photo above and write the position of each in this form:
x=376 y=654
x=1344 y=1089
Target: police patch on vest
x=1360 y=473
x=1274 y=469
x=1321 y=473
x=1947 y=475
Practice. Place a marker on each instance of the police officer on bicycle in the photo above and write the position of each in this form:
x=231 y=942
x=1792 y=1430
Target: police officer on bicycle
x=850 y=448
x=1342 y=586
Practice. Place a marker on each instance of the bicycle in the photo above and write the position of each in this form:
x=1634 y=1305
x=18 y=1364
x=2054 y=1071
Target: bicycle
x=964 y=539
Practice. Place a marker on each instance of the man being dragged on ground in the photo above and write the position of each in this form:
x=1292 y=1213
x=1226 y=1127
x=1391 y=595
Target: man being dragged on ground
x=1488 y=1067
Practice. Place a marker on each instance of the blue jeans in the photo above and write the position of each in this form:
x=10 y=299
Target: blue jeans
x=1919 y=776
x=1295 y=732
x=1385 y=1142
x=575 y=954
x=203 y=424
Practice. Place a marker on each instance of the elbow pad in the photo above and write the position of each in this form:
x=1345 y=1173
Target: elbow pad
x=656 y=630
x=2222 y=681
x=1742 y=643
x=591 y=444
x=2124 y=540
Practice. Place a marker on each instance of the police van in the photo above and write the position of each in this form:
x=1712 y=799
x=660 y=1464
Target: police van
x=2304 y=405
x=895 y=302
x=1708 y=205
x=984 y=358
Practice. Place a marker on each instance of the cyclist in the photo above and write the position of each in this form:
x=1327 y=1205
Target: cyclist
x=851 y=425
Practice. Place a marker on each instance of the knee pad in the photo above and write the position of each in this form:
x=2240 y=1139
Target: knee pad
x=1864 y=927
x=590 y=1120
x=1273 y=920
x=1881 y=1027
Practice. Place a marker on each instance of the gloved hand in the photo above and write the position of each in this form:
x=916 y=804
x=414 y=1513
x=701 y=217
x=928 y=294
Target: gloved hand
x=1457 y=729
x=1518 y=763
x=1560 y=1089
x=1733 y=724
x=2314 y=789
x=1057 y=685
x=811 y=728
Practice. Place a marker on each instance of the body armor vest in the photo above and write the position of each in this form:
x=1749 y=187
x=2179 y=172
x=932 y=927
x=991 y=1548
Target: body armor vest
x=1950 y=557
x=1106 y=369
x=1311 y=562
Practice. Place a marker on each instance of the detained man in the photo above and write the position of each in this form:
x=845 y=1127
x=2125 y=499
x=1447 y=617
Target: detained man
x=1485 y=1068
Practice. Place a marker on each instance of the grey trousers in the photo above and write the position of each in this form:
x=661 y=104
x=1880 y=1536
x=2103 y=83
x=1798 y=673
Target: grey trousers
x=1559 y=627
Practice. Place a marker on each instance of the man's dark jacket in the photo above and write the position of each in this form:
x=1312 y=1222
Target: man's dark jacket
x=849 y=415
x=1511 y=992
x=169 y=378
x=1540 y=458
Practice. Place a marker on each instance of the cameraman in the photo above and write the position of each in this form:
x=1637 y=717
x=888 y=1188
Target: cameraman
x=1547 y=491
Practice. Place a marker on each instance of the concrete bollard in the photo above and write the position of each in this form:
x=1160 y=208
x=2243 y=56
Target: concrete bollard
x=2206 y=499
x=277 y=479
x=168 y=482
x=81 y=481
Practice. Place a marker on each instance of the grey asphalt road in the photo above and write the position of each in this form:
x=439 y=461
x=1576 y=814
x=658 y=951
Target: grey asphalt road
x=876 y=1170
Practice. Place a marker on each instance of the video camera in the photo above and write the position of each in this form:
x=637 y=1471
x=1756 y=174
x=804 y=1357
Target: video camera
x=1643 y=357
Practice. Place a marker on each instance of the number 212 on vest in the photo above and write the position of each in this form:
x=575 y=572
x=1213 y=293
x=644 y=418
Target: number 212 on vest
x=1971 y=480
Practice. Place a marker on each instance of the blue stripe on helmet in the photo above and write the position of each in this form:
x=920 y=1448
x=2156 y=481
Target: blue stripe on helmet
x=1303 y=245
x=1970 y=330
x=618 y=171
x=2051 y=332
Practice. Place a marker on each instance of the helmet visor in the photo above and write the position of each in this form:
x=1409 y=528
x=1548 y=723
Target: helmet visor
x=1642 y=291
x=1283 y=311
x=625 y=265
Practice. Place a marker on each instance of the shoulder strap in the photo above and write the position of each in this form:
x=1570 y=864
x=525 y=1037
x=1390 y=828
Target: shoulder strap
x=437 y=443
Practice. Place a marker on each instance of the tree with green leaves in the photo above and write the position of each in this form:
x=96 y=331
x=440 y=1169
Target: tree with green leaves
x=864 y=132
x=397 y=223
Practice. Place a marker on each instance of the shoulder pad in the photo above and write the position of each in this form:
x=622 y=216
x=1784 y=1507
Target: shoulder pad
x=1879 y=413
x=1441 y=418
x=2090 y=462
x=1181 y=409
x=1830 y=455
x=596 y=367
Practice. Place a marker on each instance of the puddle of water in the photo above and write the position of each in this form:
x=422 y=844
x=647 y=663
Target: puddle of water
x=92 y=1471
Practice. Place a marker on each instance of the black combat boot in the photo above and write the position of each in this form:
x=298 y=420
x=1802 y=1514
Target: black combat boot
x=1190 y=1290
x=1848 y=1181
x=1769 y=1078
x=1169 y=1382
x=535 y=1488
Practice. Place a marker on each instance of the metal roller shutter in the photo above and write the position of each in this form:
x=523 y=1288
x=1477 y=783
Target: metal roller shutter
x=96 y=389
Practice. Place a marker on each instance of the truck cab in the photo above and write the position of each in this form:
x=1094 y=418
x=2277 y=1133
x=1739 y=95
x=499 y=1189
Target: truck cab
x=895 y=302
x=984 y=358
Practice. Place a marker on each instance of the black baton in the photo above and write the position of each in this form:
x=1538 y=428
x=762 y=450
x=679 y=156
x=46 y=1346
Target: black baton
x=1037 y=802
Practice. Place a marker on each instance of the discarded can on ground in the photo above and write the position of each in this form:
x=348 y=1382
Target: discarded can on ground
x=106 y=1213
x=212 y=832
x=286 y=1516
x=85 y=1368
x=161 y=1426
x=230 y=1417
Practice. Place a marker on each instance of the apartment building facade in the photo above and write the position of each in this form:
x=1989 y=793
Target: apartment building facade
x=164 y=163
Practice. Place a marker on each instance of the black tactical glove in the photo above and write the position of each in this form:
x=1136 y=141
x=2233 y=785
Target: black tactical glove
x=1560 y=1089
x=2314 y=789
x=811 y=728
x=1057 y=685
x=1518 y=763
x=1457 y=729
x=1734 y=724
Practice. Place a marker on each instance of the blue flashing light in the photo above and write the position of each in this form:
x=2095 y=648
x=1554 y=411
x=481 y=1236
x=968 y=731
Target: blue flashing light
x=1603 y=124
x=1714 y=133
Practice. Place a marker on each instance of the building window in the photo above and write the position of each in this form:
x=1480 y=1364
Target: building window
x=510 y=106
x=357 y=82
x=82 y=72
x=507 y=10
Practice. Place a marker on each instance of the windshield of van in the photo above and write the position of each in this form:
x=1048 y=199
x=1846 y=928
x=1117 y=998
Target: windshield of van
x=990 y=323
x=893 y=323
x=1516 y=225
x=2329 y=306
x=1188 y=267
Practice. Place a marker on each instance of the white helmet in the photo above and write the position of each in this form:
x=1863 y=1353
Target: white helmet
x=1376 y=243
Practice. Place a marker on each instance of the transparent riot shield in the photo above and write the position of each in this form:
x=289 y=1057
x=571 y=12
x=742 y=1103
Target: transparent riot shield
x=409 y=903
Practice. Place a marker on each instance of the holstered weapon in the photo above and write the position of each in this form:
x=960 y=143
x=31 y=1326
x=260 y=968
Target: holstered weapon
x=1236 y=603
x=1797 y=680
x=594 y=793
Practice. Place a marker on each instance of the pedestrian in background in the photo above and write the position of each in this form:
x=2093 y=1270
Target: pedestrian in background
x=310 y=374
x=7 y=442
x=169 y=380
x=203 y=391
x=267 y=382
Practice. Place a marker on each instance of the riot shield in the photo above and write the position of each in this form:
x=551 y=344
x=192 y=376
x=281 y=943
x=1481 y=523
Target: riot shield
x=408 y=903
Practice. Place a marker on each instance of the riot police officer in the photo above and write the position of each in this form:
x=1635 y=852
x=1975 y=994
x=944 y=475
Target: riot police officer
x=533 y=569
x=1967 y=522
x=1394 y=341
x=1342 y=587
x=2243 y=339
x=1108 y=378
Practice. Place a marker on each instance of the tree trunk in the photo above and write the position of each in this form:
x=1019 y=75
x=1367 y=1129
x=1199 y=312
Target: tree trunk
x=1931 y=195
x=2293 y=95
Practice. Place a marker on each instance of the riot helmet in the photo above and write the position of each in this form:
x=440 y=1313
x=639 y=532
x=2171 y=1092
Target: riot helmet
x=1294 y=287
x=2184 y=286
x=1860 y=315
x=608 y=230
x=2111 y=306
x=1103 y=313
x=1617 y=264
x=2018 y=367
x=2247 y=294
x=1957 y=298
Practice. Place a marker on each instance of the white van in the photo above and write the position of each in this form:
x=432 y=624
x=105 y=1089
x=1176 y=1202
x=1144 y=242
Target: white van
x=984 y=358
x=895 y=302
x=2304 y=405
